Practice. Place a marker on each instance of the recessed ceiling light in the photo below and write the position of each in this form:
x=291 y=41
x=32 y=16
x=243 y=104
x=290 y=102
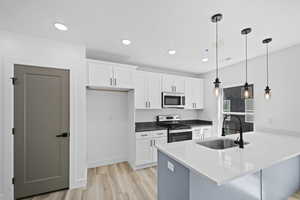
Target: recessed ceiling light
x=204 y=59
x=61 y=27
x=126 y=42
x=172 y=52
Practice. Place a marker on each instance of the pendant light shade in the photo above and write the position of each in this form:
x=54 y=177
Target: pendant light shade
x=245 y=32
x=267 y=90
x=217 y=83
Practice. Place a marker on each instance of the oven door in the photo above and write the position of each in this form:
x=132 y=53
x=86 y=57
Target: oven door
x=173 y=100
x=179 y=135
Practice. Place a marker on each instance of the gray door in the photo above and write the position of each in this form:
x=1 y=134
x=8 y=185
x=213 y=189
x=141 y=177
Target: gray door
x=41 y=122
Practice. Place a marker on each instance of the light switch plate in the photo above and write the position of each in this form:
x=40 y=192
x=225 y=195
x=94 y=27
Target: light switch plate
x=171 y=166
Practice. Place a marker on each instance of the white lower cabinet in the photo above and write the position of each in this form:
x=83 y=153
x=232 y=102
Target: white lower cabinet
x=143 y=151
x=146 y=151
x=201 y=132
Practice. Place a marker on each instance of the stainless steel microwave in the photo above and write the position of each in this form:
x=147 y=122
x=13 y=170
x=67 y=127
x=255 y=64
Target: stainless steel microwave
x=173 y=100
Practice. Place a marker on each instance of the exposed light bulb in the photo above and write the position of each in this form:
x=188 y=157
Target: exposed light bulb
x=267 y=96
x=267 y=93
x=217 y=91
x=246 y=93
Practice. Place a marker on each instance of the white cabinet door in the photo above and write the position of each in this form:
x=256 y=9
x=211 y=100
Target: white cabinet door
x=158 y=141
x=189 y=94
x=154 y=90
x=100 y=74
x=168 y=84
x=198 y=93
x=179 y=83
x=206 y=131
x=172 y=83
x=144 y=151
x=141 y=90
x=123 y=77
x=194 y=93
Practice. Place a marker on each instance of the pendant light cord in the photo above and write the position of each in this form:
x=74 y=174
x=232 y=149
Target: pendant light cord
x=246 y=46
x=217 y=52
x=267 y=64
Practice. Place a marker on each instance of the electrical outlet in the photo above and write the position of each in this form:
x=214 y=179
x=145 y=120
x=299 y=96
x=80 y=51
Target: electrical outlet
x=171 y=166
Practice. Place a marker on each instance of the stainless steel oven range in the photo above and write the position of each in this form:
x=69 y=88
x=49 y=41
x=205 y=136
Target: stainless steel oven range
x=176 y=130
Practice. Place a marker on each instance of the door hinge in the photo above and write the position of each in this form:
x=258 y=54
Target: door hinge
x=13 y=80
x=13 y=181
x=13 y=131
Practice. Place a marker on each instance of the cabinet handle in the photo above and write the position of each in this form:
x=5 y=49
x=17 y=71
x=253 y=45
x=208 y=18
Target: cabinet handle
x=110 y=81
x=115 y=81
x=175 y=88
x=149 y=104
x=144 y=135
x=146 y=104
x=150 y=143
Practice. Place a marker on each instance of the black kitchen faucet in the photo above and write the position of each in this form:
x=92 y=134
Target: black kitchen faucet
x=240 y=140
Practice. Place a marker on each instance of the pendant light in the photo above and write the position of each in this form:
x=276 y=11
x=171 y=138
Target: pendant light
x=267 y=90
x=215 y=19
x=245 y=32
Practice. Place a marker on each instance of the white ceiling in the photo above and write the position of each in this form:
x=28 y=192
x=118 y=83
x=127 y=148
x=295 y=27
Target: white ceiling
x=155 y=26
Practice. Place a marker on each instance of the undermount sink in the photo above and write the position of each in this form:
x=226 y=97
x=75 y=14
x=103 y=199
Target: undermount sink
x=220 y=144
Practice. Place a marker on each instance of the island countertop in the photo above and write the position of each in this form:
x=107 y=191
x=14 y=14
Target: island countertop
x=222 y=166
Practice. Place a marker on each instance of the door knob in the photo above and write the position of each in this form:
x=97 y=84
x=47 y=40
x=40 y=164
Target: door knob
x=63 y=135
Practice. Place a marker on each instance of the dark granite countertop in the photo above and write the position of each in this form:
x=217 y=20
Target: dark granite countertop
x=148 y=126
x=152 y=126
x=196 y=122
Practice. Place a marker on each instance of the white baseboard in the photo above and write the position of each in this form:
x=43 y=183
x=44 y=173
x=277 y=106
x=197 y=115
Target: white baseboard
x=106 y=162
x=79 y=184
x=143 y=166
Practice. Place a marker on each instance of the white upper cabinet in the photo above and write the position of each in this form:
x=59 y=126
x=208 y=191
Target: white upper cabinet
x=123 y=77
x=147 y=90
x=194 y=93
x=154 y=90
x=172 y=83
x=140 y=90
x=110 y=75
x=100 y=74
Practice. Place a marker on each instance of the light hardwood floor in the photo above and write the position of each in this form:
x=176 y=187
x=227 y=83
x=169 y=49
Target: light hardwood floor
x=296 y=196
x=112 y=182
x=116 y=182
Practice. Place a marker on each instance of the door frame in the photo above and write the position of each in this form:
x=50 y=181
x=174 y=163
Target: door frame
x=8 y=122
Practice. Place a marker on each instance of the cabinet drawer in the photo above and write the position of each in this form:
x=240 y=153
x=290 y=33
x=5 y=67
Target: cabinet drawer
x=159 y=133
x=143 y=135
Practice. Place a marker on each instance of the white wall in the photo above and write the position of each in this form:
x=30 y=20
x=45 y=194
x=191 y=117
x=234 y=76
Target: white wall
x=21 y=49
x=282 y=111
x=150 y=115
x=107 y=122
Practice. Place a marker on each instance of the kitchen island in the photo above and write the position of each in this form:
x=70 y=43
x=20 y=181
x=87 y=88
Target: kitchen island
x=267 y=168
